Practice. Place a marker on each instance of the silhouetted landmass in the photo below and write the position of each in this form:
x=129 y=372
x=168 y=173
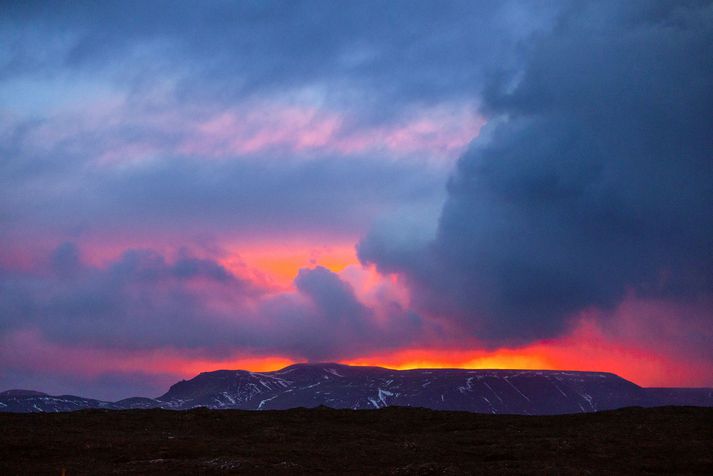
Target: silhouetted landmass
x=387 y=441
x=523 y=392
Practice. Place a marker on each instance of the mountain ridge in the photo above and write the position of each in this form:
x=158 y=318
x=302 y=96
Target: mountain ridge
x=497 y=391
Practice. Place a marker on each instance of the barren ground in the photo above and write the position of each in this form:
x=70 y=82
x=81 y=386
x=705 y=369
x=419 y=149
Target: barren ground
x=387 y=441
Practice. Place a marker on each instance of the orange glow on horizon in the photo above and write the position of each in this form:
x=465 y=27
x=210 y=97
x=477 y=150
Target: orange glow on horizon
x=253 y=364
x=643 y=368
x=585 y=349
x=435 y=359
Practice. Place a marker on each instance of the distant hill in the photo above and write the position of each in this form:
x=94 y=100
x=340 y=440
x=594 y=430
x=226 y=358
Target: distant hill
x=524 y=392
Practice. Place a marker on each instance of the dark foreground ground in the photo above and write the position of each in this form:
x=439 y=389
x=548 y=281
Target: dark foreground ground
x=387 y=441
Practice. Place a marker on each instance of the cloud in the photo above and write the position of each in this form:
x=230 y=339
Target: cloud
x=157 y=155
x=591 y=180
x=295 y=118
x=247 y=49
x=144 y=300
x=172 y=199
x=331 y=295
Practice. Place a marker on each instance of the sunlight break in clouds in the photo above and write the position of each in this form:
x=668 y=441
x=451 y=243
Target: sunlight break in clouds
x=498 y=183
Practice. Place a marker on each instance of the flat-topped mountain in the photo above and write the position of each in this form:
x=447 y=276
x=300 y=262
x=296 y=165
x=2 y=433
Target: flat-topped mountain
x=529 y=392
x=342 y=386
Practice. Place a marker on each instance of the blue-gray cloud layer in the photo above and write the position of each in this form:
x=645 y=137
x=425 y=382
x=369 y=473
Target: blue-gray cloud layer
x=151 y=69
x=395 y=52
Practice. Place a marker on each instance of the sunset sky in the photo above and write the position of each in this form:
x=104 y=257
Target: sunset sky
x=192 y=186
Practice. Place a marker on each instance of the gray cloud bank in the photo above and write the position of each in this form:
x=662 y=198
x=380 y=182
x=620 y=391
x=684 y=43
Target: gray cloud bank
x=594 y=179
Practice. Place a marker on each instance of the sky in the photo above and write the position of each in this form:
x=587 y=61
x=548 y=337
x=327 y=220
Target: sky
x=188 y=186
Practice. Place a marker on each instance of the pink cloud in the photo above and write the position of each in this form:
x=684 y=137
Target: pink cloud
x=441 y=132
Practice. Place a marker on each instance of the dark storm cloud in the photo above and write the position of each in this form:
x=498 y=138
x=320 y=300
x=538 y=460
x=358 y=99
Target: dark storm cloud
x=593 y=179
